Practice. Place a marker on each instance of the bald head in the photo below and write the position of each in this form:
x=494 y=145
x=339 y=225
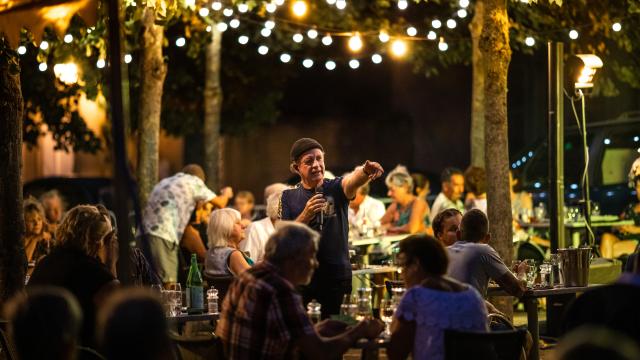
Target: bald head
x=195 y=170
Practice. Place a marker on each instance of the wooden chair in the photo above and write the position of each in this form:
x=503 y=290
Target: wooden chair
x=493 y=345
x=6 y=349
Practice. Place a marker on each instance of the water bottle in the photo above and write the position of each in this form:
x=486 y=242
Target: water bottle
x=313 y=311
x=212 y=300
x=195 y=297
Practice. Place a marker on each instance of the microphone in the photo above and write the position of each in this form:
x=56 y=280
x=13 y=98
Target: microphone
x=321 y=214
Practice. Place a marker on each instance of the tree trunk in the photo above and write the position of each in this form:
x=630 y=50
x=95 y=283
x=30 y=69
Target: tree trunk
x=212 y=108
x=153 y=72
x=12 y=257
x=477 y=87
x=494 y=46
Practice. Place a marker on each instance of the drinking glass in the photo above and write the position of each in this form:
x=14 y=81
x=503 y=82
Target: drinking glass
x=532 y=272
x=387 y=308
x=175 y=299
x=546 y=271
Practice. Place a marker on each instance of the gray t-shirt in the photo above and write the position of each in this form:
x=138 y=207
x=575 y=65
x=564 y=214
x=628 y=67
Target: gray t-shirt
x=475 y=264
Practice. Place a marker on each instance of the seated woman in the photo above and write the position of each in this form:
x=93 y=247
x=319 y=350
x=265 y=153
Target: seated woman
x=432 y=303
x=475 y=182
x=37 y=241
x=625 y=239
x=225 y=231
x=407 y=213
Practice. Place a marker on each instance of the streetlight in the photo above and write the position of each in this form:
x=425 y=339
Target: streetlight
x=581 y=69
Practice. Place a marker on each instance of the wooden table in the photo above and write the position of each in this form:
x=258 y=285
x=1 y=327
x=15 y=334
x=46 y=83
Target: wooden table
x=381 y=240
x=530 y=300
x=184 y=318
x=374 y=269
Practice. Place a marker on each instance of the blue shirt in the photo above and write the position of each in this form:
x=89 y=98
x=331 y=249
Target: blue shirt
x=333 y=250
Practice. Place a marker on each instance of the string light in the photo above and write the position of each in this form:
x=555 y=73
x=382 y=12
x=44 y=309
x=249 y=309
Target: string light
x=243 y=8
x=271 y=7
x=308 y=63
x=402 y=4
x=208 y=28
x=285 y=58
x=376 y=58
x=383 y=36
x=616 y=27
x=327 y=40
x=190 y=3
x=42 y=67
x=101 y=63
x=331 y=2
x=354 y=64
x=530 y=41
x=44 y=45
x=180 y=42
x=411 y=31
x=451 y=24
x=128 y=58
x=204 y=12
x=263 y=50
x=298 y=37
x=227 y=12
x=68 y=38
x=432 y=35
x=222 y=26
x=330 y=65
x=235 y=23
x=299 y=8
x=355 y=42
x=243 y=39
x=341 y=4
x=312 y=33
x=22 y=50
x=398 y=48
x=216 y=5
x=442 y=45
x=436 y=24
x=463 y=3
x=279 y=2
x=269 y=24
x=573 y=34
x=462 y=13
x=265 y=32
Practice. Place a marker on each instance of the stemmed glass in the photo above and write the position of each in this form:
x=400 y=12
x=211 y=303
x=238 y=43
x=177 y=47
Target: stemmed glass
x=387 y=308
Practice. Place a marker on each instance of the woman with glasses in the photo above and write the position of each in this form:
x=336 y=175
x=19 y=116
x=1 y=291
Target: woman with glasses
x=433 y=302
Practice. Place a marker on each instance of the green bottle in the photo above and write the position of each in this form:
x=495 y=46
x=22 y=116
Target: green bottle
x=195 y=295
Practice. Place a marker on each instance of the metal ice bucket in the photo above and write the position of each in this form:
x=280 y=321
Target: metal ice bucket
x=574 y=266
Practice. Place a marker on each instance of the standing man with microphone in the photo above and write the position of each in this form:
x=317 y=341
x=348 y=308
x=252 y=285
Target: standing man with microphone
x=323 y=205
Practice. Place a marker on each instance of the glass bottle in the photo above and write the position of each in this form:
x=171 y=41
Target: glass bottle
x=195 y=296
x=313 y=311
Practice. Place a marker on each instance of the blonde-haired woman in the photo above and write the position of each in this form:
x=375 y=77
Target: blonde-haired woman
x=407 y=212
x=225 y=231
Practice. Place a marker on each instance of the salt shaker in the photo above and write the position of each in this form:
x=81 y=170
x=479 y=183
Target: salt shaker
x=212 y=300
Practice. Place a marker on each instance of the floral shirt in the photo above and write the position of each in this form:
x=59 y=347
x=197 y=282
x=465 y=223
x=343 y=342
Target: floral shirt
x=171 y=203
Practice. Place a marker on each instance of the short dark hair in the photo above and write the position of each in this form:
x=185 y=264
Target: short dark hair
x=474 y=226
x=441 y=217
x=449 y=172
x=475 y=180
x=428 y=251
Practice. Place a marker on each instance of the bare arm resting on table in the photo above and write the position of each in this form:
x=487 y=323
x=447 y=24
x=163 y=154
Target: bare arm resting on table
x=318 y=347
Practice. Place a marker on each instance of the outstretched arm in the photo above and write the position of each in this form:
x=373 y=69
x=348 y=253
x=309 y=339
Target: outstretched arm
x=367 y=172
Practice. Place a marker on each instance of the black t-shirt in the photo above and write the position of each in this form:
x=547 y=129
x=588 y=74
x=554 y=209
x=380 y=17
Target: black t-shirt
x=81 y=275
x=333 y=250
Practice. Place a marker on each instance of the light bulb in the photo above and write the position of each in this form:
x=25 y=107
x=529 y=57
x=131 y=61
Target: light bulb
x=530 y=41
x=285 y=58
x=279 y=2
x=383 y=36
x=299 y=8
x=402 y=4
x=330 y=65
x=616 y=27
x=263 y=50
x=312 y=34
x=44 y=45
x=243 y=39
x=235 y=23
x=216 y=5
x=411 y=31
x=451 y=24
x=436 y=24
x=203 y=12
x=443 y=46
x=331 y=2
x=341 y=4
x=128 y=58
x=101 y=63
x=180 y=42
x=269 y=24
x=42 y=66
x=66 y=73
x=355 y=43
x=243 y=8
x=354 y=64
x=208 y=28
x=573 y=34
x=227 y=12
x=376 y=58
x=271 y=7
x=464 y=3
x=398 y=48
x=432 y=35
x=327 y=40
x=221 y=26
x=298 y=37
x=307 y=63
x=462 y=13
x=22 y=50
x=68 y=38
x=265 y=32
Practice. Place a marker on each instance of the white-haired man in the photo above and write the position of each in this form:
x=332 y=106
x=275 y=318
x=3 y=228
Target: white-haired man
x=263 y=315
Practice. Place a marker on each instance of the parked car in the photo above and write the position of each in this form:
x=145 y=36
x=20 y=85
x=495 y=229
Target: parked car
x=613 y=146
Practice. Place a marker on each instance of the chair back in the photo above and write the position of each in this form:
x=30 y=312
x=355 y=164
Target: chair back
x=494 y=345
x=221 y=283
x=6 y=349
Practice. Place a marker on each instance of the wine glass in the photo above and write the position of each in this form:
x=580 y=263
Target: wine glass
x=387 y=308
